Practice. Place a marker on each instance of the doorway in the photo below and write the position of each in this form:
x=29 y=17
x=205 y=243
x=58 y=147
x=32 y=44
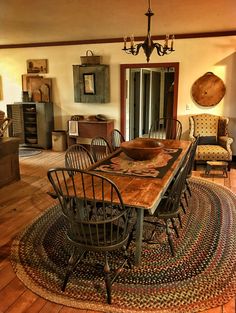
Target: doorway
x=148 y=91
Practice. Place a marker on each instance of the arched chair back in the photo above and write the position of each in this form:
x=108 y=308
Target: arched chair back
x=4 y=124
x=78 y=157
x=100 y=148
x=116 y=139
x=166 y=128
x=192 y=154
x=97 y=219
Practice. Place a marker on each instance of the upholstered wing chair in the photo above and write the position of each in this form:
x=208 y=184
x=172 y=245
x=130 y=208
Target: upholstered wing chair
x=214 y=143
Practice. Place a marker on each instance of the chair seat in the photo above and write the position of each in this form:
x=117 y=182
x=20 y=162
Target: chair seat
x=212 y=152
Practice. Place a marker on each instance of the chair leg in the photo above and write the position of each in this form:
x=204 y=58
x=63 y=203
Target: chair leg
x=186 y=202
x=107 y=279
x=186 y=197
x=175 y=227
x=188 y=188
x=180 y=221
x=168 y=232
x=72 y=263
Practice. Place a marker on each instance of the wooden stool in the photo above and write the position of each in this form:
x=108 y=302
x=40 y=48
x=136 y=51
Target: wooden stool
x=217 y=165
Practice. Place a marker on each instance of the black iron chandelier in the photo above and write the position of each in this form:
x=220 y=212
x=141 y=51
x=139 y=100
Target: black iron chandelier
x=148 y=45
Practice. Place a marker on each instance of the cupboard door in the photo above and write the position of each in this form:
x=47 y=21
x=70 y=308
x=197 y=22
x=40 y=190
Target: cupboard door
x=91 y=83
x=16 y=129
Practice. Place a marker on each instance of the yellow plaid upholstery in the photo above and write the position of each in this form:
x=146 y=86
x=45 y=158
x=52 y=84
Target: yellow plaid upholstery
x=205 y=125
x=211 y=125
x=212 y=152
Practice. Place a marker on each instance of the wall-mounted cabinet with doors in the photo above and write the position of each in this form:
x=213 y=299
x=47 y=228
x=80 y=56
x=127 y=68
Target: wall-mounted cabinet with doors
x=32 y=123
x=91 y=83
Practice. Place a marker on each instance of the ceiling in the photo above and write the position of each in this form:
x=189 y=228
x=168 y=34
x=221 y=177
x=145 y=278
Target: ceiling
x=29 y=21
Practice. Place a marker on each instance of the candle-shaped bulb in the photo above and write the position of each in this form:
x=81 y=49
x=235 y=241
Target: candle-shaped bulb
x=132 y=41
x=166 y=41
x=125 y=39
x=172 y=42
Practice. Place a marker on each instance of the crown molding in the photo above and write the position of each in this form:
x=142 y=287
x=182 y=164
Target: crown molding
x=114 y=40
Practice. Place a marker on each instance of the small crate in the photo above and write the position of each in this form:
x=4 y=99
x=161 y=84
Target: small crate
x=90 y=59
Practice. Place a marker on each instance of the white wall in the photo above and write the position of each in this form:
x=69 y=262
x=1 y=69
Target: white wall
x=196 y=57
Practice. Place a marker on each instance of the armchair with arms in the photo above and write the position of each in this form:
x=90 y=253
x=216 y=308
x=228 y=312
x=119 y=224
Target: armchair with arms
x=214 y=140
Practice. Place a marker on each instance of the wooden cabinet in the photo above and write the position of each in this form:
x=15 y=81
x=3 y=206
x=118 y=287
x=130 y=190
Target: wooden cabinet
x=88 y=129
x=91 y=83
x=9 y=160
x=32 y=123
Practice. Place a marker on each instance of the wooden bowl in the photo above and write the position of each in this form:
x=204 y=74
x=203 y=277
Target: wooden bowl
x=142 y=148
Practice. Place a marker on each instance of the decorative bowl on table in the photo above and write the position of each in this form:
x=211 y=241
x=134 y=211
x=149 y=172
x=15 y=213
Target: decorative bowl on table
x=142 y=148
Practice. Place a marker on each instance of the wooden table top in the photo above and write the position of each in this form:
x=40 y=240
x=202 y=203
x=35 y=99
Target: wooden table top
x=145 y=192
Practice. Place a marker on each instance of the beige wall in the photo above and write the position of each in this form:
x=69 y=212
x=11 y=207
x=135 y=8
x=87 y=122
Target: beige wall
x=196 y=57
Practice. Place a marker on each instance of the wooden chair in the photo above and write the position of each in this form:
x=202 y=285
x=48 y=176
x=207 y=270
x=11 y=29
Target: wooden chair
x=166 y=128
x=116 y=139
x=4 y=123
x=214 y=144
x=97 y=219
x=191 y=162
x=169 y=208
x=78 y=157
x=100 y=148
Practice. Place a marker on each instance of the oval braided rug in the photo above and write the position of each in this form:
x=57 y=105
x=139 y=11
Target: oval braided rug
x=201 y=275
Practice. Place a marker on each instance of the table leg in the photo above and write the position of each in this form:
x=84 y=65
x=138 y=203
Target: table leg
x=139 y=236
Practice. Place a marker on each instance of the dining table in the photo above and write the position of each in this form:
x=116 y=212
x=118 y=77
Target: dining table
x=142 y=184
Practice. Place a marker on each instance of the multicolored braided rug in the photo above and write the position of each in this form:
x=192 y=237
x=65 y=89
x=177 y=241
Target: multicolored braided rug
x=202 y=275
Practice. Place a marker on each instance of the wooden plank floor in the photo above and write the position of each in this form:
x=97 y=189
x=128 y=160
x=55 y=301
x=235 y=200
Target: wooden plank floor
x=20 y=203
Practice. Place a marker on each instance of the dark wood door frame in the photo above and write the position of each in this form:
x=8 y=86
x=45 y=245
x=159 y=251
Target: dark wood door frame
x=123 y=87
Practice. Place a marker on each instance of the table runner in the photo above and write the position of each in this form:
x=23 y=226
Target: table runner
x=156 y=167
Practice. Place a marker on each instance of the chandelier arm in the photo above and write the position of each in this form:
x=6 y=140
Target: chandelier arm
x=138 y=46
x=160 y=49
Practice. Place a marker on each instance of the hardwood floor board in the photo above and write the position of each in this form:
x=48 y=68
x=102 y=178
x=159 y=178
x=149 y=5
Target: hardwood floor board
x=3 y=262
x=6 y=275
x=23 y=302
x=51 y=307
x=4 y=254
x=230 y=307
x=23 y=201
x=10 y=293
x=36 y=306
x=214 y=310
x=73 y=310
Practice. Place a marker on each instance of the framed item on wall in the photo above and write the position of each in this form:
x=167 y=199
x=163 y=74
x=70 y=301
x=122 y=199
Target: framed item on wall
x=91 y=83
x=37 y=66
x=38 y=88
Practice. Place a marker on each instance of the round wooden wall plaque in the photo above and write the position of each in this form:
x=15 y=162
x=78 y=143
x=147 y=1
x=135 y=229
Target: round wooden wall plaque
x=208 y=90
